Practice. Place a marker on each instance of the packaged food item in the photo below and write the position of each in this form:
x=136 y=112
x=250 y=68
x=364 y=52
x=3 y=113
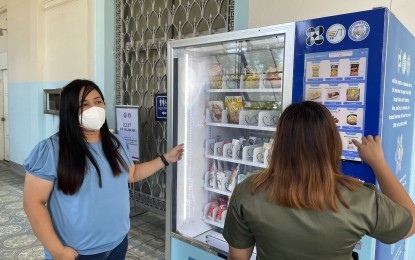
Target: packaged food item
x=230 y=185
x=353 y=94
x=216 y=82
x=333 y=94
x=313 y=94
x=261 y=105
x=235 y=141
x=212 y=175
x=234 y=105
x=272 y=78
x=223 y=205
x=252 y=80
x=334 y=69
x=267 y=150
x=315 y=70
x=219 y=178
x=352 y=119
x=213 y=205
x=216 y=108
x=354 y=68
x=216 y=76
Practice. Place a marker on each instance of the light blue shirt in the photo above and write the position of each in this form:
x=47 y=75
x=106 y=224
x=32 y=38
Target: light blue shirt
x=93 y=220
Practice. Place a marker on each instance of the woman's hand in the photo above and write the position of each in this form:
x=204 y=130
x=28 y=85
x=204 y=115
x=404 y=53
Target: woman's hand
x=68 y=253
x=175 y=154
x=370 y=149
x=143 y=170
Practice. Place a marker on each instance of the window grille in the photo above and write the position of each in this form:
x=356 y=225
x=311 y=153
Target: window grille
x=142 y=30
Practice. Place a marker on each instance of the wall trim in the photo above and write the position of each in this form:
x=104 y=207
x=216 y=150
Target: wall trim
x=50 y=4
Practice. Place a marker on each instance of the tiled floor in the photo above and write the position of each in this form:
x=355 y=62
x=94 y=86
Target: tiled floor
x=17 y=241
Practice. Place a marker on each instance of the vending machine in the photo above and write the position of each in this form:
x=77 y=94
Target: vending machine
x=359 y=66
x=225 y=95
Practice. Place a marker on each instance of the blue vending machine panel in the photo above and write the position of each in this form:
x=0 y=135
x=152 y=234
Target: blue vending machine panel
x=359 y=66
x=338 y=62
x=184 y=251
x=397 y=119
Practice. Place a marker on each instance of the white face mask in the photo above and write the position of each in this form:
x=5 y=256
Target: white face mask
x=93 y=118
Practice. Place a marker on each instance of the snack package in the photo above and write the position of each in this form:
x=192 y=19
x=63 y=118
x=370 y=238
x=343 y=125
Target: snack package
x=213 y=205
x=216 y=108
x=252 y=80
x=334 y=69
x=272 y=78
x=219 y=178
x=354 y=68
x=230 y=185
x=234 y=105
x=333 y=95
x=223 y=205
x=261 y=105
x=353 y=94
x=313 y=94
x=315 y=70
x=253 y=140
x=212 y=175
x=216 y=75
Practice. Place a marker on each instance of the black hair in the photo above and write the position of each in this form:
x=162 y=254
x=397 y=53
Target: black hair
x=73 y=147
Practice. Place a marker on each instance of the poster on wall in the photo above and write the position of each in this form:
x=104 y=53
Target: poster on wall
x=127 y=123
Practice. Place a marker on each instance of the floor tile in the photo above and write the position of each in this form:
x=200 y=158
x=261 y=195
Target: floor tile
x=17 y=241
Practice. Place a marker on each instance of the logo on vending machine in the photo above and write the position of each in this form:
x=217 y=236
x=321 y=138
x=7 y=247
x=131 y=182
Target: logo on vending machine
x=359 y=30
x=336 y=33
x=404 y=62
x=408 y=65
x=315 y=35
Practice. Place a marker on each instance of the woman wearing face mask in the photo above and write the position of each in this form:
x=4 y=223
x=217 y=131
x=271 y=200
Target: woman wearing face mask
x=76 y=187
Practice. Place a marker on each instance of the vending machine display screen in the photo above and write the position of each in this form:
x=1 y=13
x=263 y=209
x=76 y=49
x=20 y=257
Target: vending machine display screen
x=338 y=80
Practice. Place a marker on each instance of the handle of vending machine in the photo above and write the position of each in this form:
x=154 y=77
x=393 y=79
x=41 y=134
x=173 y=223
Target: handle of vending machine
x=224 y=256
x=352 y=161
x=355 y=255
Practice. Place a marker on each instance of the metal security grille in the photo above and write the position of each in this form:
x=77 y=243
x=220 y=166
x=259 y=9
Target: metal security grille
x=142 y=30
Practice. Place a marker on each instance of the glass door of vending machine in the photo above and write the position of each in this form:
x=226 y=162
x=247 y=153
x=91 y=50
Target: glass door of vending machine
x=225 y=95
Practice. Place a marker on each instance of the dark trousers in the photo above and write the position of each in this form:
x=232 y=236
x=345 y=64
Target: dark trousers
x=117 y=253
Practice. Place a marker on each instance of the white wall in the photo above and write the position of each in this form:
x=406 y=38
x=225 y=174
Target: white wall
x=69 y=33
x=3 y=25
x=20 y=58
x=49 y=42
x=268 y=12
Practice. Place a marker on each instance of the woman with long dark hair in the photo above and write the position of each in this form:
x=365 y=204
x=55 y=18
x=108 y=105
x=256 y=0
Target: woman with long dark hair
x=303 y=207
x=76 y=187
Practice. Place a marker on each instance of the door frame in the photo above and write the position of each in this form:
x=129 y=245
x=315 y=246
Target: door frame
x=4 y=115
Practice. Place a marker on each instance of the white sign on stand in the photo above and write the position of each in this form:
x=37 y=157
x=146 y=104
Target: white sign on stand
x=127 y=123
